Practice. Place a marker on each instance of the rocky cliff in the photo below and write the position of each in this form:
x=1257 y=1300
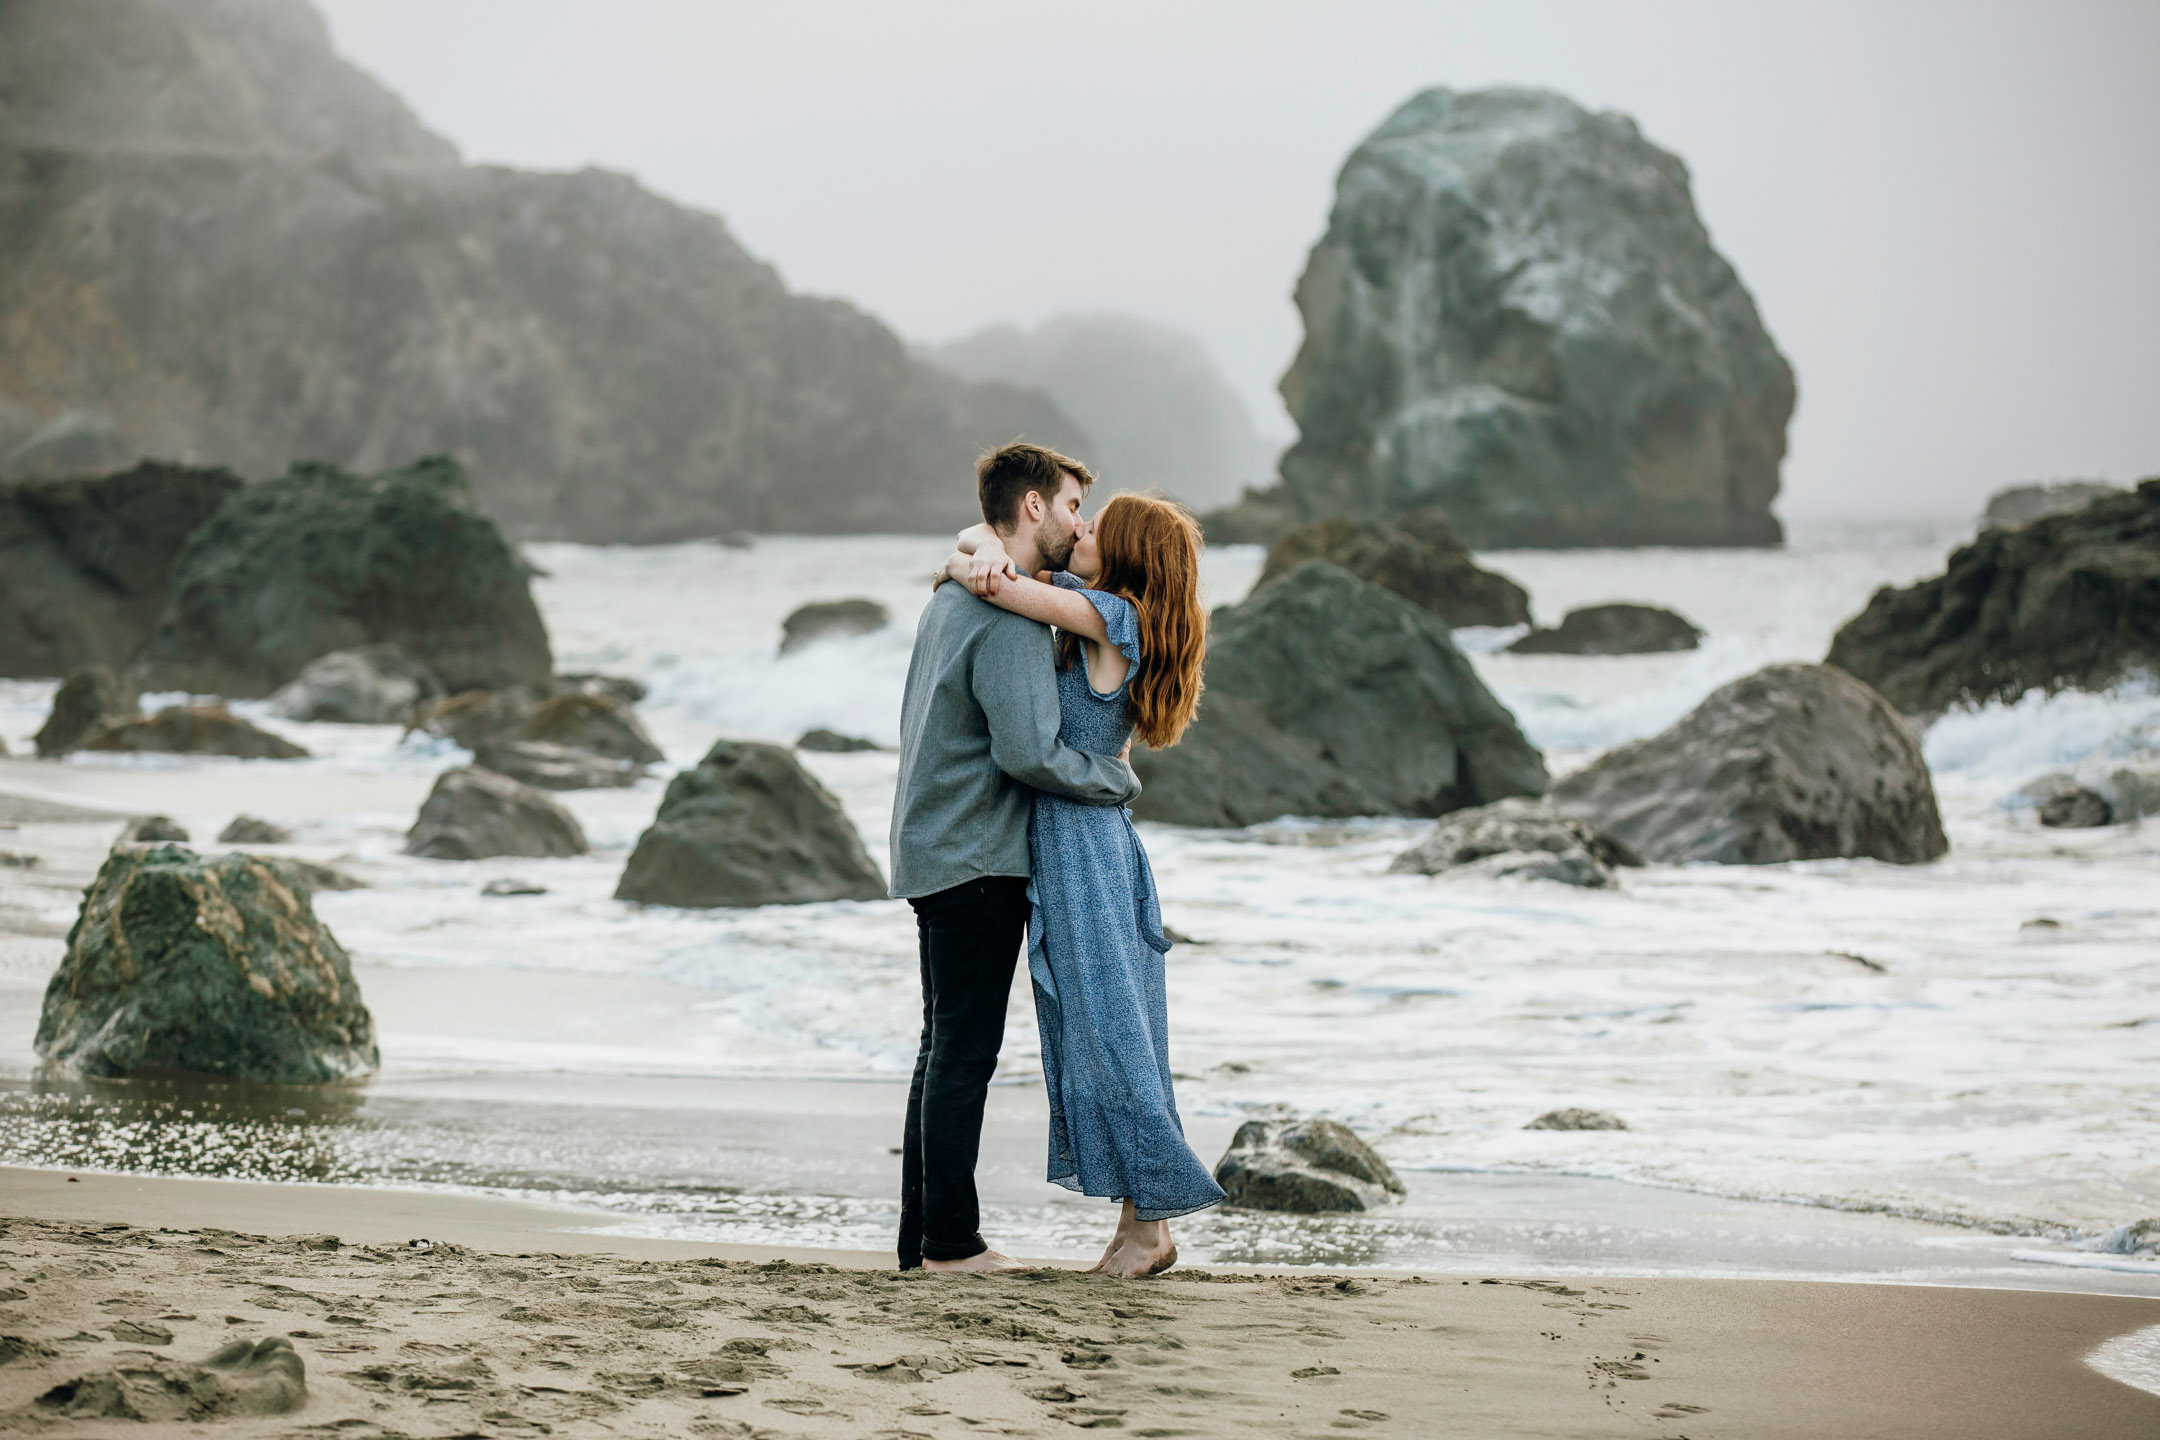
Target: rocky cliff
x=228 y=246
x=1516 y=314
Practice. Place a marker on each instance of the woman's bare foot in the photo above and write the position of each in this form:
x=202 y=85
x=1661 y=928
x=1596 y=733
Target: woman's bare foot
x=987 y=1263
x=1142 y=1248
x=1117 y=1237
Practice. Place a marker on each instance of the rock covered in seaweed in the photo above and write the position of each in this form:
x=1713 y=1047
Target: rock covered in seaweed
x=1310 y=1167
x=1517 y=314
x=1417 y=555
x=1330 y=696
x=2066 y=601
x=319 y=560
x=1793 y=762
x=213 y=965
x=749 y=826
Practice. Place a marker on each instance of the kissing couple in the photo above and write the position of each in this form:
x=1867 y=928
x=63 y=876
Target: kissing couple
x=1009 y=824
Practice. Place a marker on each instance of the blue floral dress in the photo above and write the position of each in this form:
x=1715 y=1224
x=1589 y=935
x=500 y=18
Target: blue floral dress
x=1095 y=953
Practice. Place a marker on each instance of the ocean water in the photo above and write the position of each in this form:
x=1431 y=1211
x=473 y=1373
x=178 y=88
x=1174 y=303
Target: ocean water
x=1968 y=1046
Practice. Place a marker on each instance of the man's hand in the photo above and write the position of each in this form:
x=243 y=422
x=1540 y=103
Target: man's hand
x=987 y=568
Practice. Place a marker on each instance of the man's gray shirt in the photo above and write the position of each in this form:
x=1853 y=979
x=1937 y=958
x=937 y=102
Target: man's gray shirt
x=978 y=734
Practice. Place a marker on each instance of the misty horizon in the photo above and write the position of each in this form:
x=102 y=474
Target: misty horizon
x=1939 y=210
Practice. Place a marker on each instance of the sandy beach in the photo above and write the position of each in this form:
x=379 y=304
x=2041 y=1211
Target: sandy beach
x=447 y=1315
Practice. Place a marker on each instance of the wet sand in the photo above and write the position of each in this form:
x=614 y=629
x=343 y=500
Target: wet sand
x=509 y=1324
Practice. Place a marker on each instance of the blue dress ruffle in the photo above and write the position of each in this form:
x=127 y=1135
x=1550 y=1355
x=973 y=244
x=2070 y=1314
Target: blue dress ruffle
x=1095 y=954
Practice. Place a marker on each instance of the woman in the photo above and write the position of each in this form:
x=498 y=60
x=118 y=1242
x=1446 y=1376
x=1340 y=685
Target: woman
x=1132 y=638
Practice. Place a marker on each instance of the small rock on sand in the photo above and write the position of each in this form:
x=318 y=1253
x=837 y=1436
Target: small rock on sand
x=557 y=767
x=512 y=886
x=472 y=814
x=1307 y=1166
x=153 y=830
x=831 y=742
x=1575 y=1119
x=252 y=830
x=1522 y=838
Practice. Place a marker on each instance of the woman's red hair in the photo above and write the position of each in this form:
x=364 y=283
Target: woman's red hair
x=1151 y=556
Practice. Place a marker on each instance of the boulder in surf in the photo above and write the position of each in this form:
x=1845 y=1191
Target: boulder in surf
x=749 y=826
x=1793 y=762
x=1309 y=1167
x=211 y=965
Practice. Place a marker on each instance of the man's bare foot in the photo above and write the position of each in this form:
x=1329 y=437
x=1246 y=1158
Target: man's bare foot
x=987 y=1263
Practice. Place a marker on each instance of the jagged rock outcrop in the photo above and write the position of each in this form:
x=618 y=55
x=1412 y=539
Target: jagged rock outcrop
x=1310 y=1167
x=319 y=561
x=1331 y=696
x=1517 y=314
x=1159 y=411
x=2066 y=601
x=2016 y=504
x=1522 y=839
x=749 y=826
x=236 y=246
x=1417 y=555
x=366 y=685
x=218 y=966
x=1612 y=630
x=192 y=730
x=830 y=620
x=1793 y=762
x=86 y=564
x=1576 y=1118
x=475 y=814
x=91 y=697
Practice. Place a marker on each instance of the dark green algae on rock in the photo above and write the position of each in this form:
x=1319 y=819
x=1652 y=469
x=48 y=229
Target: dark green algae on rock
x=214 y=965
x=320 y=560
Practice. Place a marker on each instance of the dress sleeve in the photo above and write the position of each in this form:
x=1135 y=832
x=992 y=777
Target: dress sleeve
x=1119 y=617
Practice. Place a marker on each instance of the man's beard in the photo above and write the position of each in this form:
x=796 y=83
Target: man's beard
x=1057 y=555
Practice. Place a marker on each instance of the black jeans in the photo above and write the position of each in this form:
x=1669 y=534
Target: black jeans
x=969 y=938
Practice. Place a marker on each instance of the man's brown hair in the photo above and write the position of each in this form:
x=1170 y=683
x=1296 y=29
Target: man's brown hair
x=1004 y=476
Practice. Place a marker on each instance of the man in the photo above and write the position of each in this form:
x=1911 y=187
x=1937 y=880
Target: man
x=978 y=729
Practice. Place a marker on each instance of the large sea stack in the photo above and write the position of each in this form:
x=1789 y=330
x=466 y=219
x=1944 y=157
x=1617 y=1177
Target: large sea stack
x=1517 y=314
x=86 y=563
x=221 y=242
x=2069 y=600
x=319 y=561
x=1327 y=695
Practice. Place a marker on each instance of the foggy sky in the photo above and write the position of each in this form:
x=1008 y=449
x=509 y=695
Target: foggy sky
x=1949 y=214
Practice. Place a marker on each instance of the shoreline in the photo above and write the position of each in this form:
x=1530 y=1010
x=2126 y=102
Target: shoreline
x=509 y=1322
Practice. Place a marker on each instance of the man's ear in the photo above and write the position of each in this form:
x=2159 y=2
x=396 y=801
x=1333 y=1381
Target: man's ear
x=1033 y=507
